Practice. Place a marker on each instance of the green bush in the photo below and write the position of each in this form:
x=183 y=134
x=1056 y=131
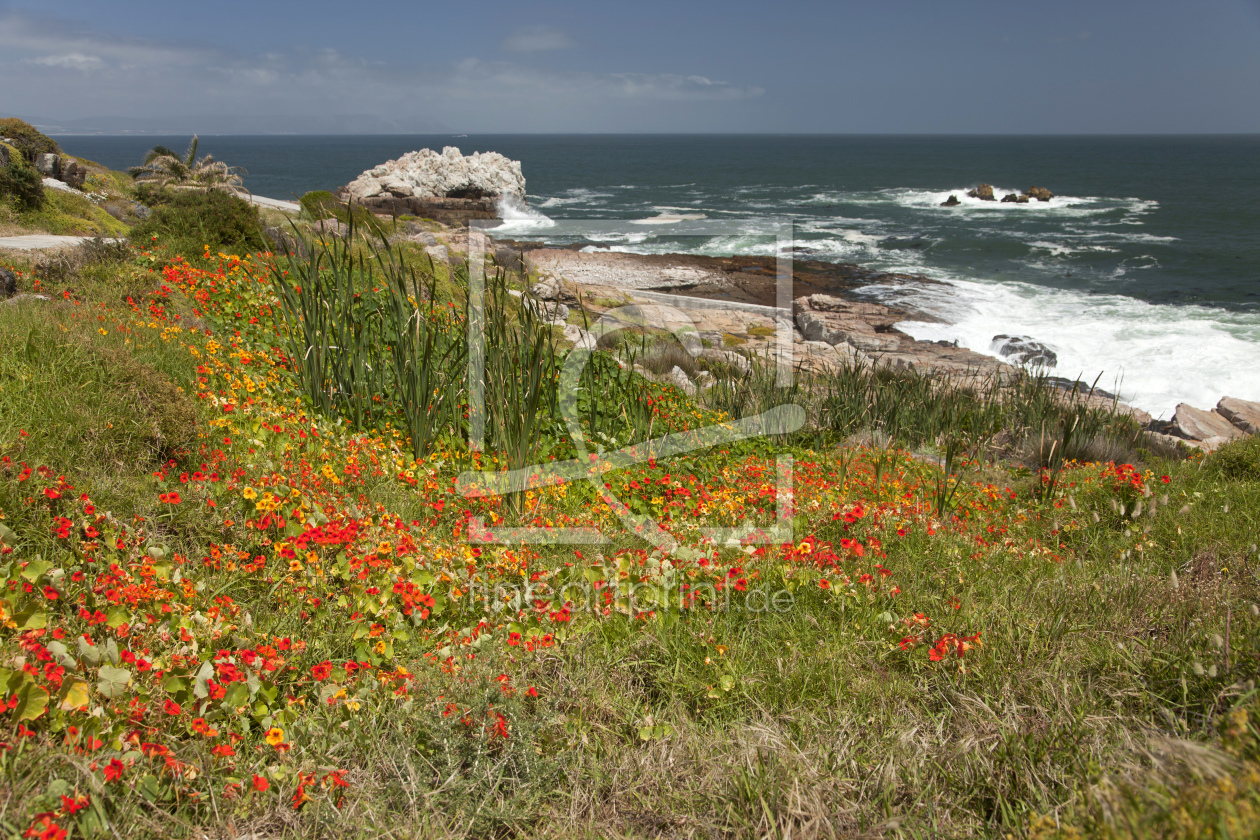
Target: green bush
x=1239 y=460
x=321 y=204
x=20 y=180
x=188 y=220
x=27 y=139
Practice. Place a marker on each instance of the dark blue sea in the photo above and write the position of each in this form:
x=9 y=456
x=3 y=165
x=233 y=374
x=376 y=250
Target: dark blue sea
x=1144 y=268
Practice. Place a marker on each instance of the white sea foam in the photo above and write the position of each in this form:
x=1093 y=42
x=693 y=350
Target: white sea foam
x=519 y=216
x=1154 y=355
x=668 y=218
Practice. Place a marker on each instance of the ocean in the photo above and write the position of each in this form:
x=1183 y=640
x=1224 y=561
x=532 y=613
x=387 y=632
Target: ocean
x=1143 y=271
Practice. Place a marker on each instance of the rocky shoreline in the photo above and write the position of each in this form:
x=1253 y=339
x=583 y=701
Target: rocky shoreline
x=731 y=305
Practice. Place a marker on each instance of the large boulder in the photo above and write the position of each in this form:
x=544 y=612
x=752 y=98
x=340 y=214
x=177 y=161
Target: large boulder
x=1244 y=414
x=1023 y=350
x=48 y=165
x=984 y=192
x=8 y=283
x=73 y=173
x=425 y=174
x=1196 y=424
x=952 y=201
x=1039 y=193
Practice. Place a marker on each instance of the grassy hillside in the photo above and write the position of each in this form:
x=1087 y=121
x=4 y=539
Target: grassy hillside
x=247 y=589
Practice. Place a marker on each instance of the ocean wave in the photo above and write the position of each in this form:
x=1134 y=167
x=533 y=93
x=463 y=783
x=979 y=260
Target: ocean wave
x=516 y=215
x=1153 y=355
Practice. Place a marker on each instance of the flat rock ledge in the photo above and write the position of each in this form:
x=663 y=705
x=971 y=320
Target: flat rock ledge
x=1207 y=431
x=724 y=308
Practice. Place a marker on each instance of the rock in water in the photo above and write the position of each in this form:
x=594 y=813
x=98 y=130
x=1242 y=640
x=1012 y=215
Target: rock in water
x=1011 y=198
x=1197 y=424
x=1244 y=414
x=1023 y=350
x=984 y=192
x=952 y=201
x=1039 y=193
x=426 y=174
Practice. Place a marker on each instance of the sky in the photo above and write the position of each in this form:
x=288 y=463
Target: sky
x=881 y=66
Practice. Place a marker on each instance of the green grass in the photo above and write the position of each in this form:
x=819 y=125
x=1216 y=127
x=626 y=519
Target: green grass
x=1114 y=695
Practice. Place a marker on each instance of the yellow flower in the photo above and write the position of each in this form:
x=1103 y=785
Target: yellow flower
x=249 y=493
x=275 y=736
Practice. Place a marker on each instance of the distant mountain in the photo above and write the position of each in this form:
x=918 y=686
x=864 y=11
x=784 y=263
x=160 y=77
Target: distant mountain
x=210 y=124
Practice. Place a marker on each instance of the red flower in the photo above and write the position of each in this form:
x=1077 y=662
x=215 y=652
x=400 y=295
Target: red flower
x=114 y=770
x=321 y=671
x=260 y=784
x=51 y=594
x=171 y=708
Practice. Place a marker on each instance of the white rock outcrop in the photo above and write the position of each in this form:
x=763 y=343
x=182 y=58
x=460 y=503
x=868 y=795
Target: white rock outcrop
x=427 y=174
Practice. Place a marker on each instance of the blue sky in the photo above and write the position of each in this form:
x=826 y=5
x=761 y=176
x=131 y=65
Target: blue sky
x=893 y=66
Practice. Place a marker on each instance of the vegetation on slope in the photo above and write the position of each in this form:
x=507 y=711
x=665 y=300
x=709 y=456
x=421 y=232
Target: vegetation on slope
x=280 y=619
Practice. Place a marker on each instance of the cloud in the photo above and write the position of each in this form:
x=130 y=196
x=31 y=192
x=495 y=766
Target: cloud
x=536 y=39
x=142 y=78
x=78 y=61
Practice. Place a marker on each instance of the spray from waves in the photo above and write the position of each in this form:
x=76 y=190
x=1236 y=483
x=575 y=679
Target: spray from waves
x=1153 y=355
x=519 y=216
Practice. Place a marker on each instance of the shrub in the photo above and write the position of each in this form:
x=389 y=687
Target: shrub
x=320 y=204
x=1239 y=460
x=20 y=180
x=190 y=220
x=27 y=139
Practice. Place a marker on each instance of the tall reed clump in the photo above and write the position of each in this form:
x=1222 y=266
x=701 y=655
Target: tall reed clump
x=369 y=342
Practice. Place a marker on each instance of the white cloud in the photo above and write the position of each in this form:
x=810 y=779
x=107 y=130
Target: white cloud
x=78 y=61
x=536 y=39
x=143 y=78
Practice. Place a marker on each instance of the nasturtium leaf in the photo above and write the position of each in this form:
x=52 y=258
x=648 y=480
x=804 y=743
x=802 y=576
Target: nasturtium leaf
x=32 y=701
x=156 y=552
x=74 y=695
x=31 y=618
x=7 y=536
x=113 y=681
x=90 y=652
x=35 y=568
x=253 y=683
x=117 y=617
x=727 y=682
x=111 y=651
x=237 y=695
x=148 y=787
x=200 y=689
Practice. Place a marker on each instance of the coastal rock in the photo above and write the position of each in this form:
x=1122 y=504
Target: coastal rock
x=582 y=340
x=1010 y=198
x=48 y=165
x=1196 y=424
x=952 y=201
x=984 y=192
x=437 y=253
x=678 y=377
x=865 y=326
x=73 y=173
x=1039 y=193
x=426 y=174
x=1023 y=350
x=1244 y=414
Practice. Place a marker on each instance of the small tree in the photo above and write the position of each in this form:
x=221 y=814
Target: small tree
x=163 y=167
